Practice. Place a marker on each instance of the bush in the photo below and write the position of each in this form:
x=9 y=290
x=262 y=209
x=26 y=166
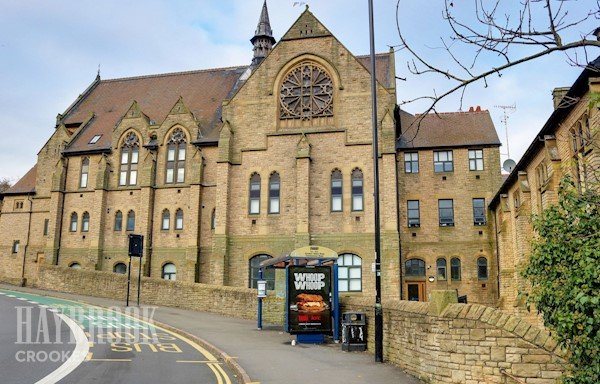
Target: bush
x=564 y=271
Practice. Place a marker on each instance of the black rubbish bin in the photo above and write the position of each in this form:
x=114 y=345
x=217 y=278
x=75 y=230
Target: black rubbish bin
x=354 y=331
x=462 y=299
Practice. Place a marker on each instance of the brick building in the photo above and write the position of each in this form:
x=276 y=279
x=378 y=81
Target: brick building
x=566 y=144
x=222 y=168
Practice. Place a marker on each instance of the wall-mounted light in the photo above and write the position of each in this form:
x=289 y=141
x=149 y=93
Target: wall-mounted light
x=431 y=279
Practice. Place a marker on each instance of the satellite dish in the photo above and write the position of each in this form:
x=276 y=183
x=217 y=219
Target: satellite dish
x=509 y=165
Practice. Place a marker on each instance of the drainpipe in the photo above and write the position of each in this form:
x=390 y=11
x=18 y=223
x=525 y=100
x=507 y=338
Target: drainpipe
x=151 y=215
x=497 y=257
x=61 y=212
x=23 y=279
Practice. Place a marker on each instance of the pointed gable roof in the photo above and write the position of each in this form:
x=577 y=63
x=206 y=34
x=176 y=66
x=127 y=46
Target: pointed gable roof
x=307 y=25
x=203 y=92
x=25 y=185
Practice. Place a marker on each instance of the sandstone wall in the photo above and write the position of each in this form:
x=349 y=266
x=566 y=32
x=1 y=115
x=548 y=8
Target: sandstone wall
x=228 y=301
x=466 y=343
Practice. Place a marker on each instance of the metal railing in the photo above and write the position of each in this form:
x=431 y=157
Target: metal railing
x=506 y=374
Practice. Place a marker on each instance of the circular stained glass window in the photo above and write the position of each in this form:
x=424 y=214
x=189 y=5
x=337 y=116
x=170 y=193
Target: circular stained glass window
x=306 y=92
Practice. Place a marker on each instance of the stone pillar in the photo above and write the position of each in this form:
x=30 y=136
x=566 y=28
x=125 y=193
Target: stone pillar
x=302 y=193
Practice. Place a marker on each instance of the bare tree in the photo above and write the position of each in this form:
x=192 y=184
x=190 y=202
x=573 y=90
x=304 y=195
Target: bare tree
x=510 y=32
x=4 y=184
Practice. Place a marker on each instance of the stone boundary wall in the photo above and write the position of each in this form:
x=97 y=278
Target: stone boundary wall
x=228 y=301
x=465 y=343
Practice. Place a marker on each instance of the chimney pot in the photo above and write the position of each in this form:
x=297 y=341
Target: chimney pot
x=470 y=109
x=478 y=109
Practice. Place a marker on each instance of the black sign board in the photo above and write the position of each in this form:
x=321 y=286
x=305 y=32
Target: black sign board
x=309 y=300
x=136 y=243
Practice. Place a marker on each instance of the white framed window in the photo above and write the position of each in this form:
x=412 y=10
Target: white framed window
x=442 y=161
x=357 y=190
x=411 y=162
x=274 y=193
x=166 y=220
x=130 y=153
x=179 y=219
x=254 y=195
x=73 y=222
x=85 y=170
x=349 y=273
x=176 y=150
x=85 y=222
x=336 y=191
x=169 y=271
x=476 y=159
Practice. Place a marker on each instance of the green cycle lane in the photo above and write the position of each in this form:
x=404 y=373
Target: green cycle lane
x=123 y=348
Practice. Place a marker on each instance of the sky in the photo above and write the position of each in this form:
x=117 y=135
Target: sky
x=51 y=50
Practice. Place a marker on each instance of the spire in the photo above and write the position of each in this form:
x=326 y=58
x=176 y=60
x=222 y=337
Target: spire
x=263 y=39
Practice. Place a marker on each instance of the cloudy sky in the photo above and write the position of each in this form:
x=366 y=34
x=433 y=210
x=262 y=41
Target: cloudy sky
x=50 y=51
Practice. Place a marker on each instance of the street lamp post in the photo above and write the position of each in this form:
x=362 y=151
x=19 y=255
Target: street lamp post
x=378 y=309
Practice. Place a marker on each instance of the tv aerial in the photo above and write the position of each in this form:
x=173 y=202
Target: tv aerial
x=509 y=164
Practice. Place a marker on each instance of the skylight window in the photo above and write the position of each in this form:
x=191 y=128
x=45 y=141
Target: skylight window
x=95 y=139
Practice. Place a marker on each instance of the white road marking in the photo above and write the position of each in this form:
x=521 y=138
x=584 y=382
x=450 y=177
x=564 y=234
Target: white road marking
x=2 y=293
x=11 y=296
x=43 y=306
x=77 y=357
x=21 y=298
x=32 y=302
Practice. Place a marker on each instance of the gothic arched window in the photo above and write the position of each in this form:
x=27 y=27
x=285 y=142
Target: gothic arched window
x=85 y=222
x=176 y=157
x=254 y=197
x=130 y=153
x=336 y=191
x=357 y=190
x=306 y=92
x=85 y=170
x=274 y=186
x=179 y=219
x=166 y=220
x=118 y=221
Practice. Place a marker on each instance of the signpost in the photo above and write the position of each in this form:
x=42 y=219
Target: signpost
x=136 y=247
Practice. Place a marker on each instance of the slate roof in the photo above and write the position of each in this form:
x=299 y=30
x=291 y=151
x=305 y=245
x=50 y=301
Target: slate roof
x=202 y=91
x=454 y=129
x=25 y=185
x=578 y=89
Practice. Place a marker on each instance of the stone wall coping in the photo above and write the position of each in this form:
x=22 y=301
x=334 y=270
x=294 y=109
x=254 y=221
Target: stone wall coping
x=521 y=328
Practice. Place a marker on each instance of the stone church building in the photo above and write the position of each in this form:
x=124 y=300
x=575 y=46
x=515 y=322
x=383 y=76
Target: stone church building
x=222 y=168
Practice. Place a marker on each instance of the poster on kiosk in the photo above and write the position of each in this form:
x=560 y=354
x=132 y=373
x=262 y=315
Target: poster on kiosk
x=309 y=300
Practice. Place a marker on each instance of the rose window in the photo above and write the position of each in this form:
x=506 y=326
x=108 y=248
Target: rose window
x=306 y=92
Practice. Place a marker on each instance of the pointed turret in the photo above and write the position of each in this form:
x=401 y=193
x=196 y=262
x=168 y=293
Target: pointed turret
x=263 y=39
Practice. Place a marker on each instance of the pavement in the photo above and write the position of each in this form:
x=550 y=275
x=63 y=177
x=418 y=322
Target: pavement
x=262 y=356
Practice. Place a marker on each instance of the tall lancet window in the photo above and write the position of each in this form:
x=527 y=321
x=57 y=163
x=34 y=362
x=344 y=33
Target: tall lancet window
x=130 y=154
x=176 y=157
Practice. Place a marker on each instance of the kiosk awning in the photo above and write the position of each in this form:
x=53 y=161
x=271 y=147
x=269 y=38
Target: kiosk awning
x=311 y=255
